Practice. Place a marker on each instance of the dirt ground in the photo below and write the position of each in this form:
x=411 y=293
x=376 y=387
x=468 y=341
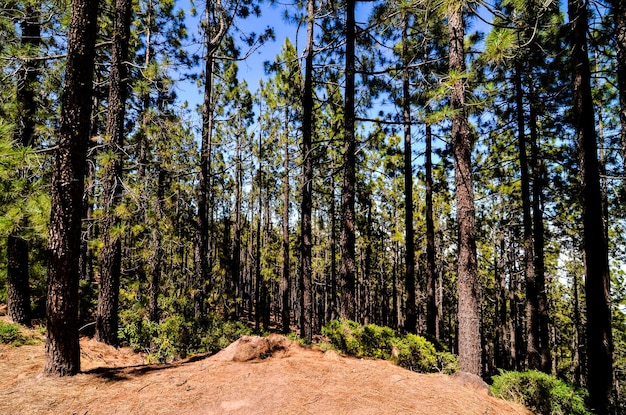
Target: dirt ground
x=251 y=376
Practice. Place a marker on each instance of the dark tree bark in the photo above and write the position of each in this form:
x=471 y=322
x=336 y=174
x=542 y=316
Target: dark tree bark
x=469 y=340
x=333 y=244
x=538 y=176
x=27 y=74
x=431 y=266
x=410 y=322
x=18 y=288
x=201 y=248
x=501 y=349
x=236 y=241
x=107 y=320
x=577 y=338
x=18 y=291
x=618 y=10
x=62 y=347
x=348 y=192
x=306 y=266
x=597 y=280
x=285 y=284
x=532 y=299
x=214 y=34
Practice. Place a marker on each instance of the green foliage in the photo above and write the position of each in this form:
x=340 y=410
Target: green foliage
x=410 y=351
x=10 y=334
x=541 y=393
x=176 y=338
x=418 y=354
x=343 y=334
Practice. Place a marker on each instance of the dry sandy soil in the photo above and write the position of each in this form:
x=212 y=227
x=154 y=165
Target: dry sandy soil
x=251 y=376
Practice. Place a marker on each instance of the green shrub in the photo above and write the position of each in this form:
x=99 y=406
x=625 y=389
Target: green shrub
x=417 y=354
x=217 y=334
x=176 y=338
x=448 y=363
x=541 y=393
x=136 y=331
x=411 y=351
x=344 y=335
x=9 y=333
x=377 y=341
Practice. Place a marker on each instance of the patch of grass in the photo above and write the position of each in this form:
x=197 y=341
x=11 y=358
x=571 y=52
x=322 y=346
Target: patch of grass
x=541 y=393
x=11 y=334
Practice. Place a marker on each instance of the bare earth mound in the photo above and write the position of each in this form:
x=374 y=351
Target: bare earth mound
x=252 y=376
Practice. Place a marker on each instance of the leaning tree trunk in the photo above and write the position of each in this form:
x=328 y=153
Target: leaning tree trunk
x=469 y=341
x=62 y=347
x=597 y=281
x=107 y=320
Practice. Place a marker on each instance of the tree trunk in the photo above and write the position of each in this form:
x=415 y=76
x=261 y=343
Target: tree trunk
x=18 y=291
x=236 y=241
x=431 y=266
x=306 y=266
x=286 y=269
x=532 y=299
x=469 y=340
x=348 y=192
x=410 y=323
x=618 y=10
x=597 y=281
x=156 y=259
x=201 y=248
x=18 y=288
x=107 y=320
x=27 y=74
x=577 y=357
x=333 y=243
x=62 y=347
x=539 y=239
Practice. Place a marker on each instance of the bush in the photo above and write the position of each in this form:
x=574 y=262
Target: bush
x=377 y=341
x=417 y=354
x=176 y=338
x=218 y=334
x=541 y=393
x=411 y=351
x=344 y=335
x=9 y=333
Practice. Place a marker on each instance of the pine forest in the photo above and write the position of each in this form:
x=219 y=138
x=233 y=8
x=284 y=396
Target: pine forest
x=454 y=169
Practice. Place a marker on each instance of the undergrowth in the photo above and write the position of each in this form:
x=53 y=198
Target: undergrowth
x=11 y=334
x=543 y=394
x=410 y=351
x=176 y=338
